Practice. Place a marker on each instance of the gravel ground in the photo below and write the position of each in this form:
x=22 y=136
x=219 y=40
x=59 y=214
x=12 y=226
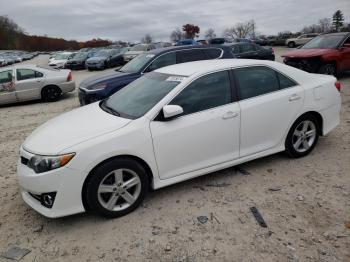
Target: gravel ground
x=305 y=202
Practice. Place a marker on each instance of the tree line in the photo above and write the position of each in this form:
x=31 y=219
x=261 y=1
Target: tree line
x=13 y=37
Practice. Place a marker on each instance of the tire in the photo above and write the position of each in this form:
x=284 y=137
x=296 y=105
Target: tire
x=328 y=69
x=51 y=93
x=116 y=188
x=291 y=44
x=302 y=136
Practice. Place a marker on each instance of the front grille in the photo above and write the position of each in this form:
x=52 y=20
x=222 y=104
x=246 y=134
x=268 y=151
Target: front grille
x=24 y=160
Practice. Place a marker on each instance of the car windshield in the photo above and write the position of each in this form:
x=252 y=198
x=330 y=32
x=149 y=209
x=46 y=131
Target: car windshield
x=136 y=64
x=139 y=48
x=324 y=41
x=62 y=56
x=102 y=53
x=141 y=95
x=80 y=55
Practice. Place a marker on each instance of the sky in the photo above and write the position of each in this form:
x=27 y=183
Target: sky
x=131 y=20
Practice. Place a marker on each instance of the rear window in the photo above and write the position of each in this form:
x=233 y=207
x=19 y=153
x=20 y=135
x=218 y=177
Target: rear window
x=213 y=53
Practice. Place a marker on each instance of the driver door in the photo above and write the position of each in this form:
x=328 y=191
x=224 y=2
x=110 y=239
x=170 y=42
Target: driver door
x=7 y=87
x=206 y=134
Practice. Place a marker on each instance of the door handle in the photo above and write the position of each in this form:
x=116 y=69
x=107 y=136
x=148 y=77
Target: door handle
x=229 y=114
x=294 y=97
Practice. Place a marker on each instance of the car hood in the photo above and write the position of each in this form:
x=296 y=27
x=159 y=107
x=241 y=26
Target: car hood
x=133 y=53
x=72 y=128
x=93 y=80
x=304 y=53
x=57 y=61
x=96 y=59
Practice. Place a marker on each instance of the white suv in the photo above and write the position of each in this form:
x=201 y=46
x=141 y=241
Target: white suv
x=300 y=40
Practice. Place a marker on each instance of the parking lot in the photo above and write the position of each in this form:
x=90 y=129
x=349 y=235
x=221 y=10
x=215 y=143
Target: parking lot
x=305 y=203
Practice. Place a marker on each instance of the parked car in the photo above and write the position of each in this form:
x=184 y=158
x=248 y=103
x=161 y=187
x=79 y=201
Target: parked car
x=300 y=40
x=217 y=41
x=99 y=87
x=59 y=60
x=171 y=125
x=137 y=50
x=260 y=41
x=243 y=40
x=105 y=58
x=3 y=62
x=29 y=82
x=203 y=41
x=251 y=51
x=325 y=54
x=187 y=42
x=78 y=60
x=276 y=41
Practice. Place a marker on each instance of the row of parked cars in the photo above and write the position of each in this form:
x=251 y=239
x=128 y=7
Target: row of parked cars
x=12 y=57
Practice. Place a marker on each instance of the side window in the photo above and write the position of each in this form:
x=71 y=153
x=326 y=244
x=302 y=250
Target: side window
x=6 y=77
x=213 y=53
x=235 y=49
x=190 y=55
x=38 y=74
x=206 y=92
x=256 y=81
x=24 y=74
x=285 y=82
x=245 y=48
x=163 y=60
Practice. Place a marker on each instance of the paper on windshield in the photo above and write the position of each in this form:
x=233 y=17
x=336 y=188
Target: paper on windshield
x=175 y=78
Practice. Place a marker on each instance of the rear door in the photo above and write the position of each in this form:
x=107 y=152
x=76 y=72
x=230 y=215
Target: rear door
x=29 y=84
x=7 y=87
x=248 y=51
x=269 y=103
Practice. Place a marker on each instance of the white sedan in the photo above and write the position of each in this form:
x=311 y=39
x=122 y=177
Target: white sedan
x=30 y=82
x=60 y=59
x=171 y=125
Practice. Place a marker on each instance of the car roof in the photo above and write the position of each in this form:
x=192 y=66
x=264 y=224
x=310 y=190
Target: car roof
x=188 y=69
x=174 y=48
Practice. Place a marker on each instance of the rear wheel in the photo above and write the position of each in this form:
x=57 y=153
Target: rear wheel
x=51 y=93
x=302 y=137
x=117 y=187
x=328 y=69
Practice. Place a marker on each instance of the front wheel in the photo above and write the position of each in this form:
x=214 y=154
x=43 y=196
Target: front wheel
x=117 y=187
x=302 y=137
x=291 y=44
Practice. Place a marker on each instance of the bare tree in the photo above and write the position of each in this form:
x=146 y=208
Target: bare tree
x=240 y=30
x=176 y=35
x=325 y=25
x=147 y=39
x=210 y=34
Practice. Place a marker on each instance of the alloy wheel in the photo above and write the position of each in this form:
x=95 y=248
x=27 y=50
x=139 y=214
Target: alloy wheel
x=304 y=136
x=119 y=189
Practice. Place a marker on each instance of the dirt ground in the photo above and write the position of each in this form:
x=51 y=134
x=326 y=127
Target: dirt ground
x=305 y=202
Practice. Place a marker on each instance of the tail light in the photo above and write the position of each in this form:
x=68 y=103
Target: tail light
x=337 y=85
x=69 y=77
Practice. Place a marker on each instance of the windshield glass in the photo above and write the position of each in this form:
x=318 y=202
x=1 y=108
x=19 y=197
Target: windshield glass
x=139 y=48
x=137 y=63
x=80 y=55
x=62 y=56
x=324 y=41
x=137 y=98
x=102 y=53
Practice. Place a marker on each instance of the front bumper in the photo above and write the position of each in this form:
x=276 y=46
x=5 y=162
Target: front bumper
x=100 y=65
x=310 y=65
x=75 y=66
x=67 y=183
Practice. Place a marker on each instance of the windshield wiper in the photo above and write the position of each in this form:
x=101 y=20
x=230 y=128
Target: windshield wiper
x=109 y=109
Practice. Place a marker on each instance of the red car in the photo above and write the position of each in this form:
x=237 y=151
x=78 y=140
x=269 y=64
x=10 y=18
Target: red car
x=325 y=54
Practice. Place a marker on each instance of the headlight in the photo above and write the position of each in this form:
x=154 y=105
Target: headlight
x=42 y=164
x=99 y=86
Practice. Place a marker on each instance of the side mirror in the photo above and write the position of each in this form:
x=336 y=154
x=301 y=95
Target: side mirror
x=170 y=111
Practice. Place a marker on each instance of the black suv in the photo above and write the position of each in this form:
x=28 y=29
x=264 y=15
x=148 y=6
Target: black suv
x=99 y=87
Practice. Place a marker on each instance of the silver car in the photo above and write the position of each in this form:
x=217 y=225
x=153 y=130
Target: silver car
x=30 y=82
